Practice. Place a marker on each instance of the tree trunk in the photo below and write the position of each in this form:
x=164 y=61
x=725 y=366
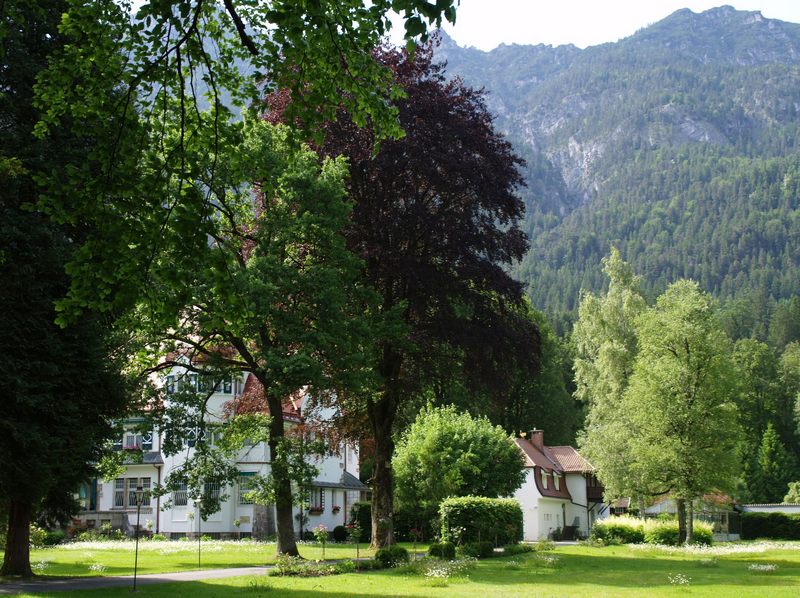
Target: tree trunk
x=681 y=508
x=381 y=416
x=689 y=522
x=283 y=484
x=17 y=559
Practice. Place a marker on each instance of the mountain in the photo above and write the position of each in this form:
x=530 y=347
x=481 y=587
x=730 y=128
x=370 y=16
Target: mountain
x=680 y=145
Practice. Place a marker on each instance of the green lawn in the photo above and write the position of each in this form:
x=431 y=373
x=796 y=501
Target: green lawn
x=82 y=559
x=569 y=571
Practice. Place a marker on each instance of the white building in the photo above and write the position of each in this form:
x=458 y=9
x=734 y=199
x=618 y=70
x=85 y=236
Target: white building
x=334 y=490
x=561 y=496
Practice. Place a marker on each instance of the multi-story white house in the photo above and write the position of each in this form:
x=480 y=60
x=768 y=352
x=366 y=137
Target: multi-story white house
x=333 y=491
x=560 y=496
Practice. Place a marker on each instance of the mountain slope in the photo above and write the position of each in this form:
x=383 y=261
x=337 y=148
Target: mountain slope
x=679 y=145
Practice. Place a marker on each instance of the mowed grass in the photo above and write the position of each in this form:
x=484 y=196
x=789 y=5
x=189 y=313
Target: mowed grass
x=86 y=559
x=569 y=571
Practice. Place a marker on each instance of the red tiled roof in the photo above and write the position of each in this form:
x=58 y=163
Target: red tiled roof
x=543 y=460
x=570 y=460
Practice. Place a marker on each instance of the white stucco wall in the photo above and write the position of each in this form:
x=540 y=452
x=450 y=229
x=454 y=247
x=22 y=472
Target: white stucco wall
x=252 y=459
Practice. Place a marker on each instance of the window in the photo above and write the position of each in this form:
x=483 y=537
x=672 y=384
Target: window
x=227 y=386
x=170 y=384
x=125 y=492
x=316 y=499
x=246 y=484
x=135 y=440
x=179 y=496
x=544 y=479
x=557 y=481
x=211 y=490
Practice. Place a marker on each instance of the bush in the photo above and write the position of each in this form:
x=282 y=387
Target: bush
x=362 y=513
x=37 y=536
x=775 y=526
x=662 y=532
x=54 y=537
x=158 y=538
x=512 y=549
x=391 y=556
x=443 y=550
x=477 y=550
x=339 y=533
x=475 y=518
x=616 y=530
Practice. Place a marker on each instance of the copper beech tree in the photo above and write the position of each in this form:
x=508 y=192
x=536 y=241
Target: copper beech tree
x=435 y=221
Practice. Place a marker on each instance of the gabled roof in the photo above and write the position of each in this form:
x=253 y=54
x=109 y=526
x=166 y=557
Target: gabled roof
x=541 y=460
x=534 y=456
x=570 y=460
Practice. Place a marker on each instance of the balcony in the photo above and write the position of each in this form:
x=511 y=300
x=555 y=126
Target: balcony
x=594 y=493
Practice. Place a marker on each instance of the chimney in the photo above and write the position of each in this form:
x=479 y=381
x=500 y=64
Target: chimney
x=537 y=438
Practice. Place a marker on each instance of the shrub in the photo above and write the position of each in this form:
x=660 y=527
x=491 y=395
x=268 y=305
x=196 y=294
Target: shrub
x=339 y=533
x=622 y=529
x=362 y=513
x=665 y=531
x=391 y=556
x=158 y=538
x=662 y=532
x=37 y=536
x=475 y=519
x=369 y=565
x=54 y=537
x=776 y=526
x=512 y=549
x=477 y=550
x=443 y=550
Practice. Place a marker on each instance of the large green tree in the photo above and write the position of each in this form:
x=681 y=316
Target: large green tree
x=275 y=293
x=680 y=399
x=168 y=61
x=448 y=453
x=61 y=386
x=605 y=346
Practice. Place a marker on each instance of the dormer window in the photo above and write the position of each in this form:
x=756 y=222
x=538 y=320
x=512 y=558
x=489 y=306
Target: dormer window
x=544 y=479
x=557 y=481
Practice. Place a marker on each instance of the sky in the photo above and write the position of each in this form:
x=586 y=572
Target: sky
x=485 y=24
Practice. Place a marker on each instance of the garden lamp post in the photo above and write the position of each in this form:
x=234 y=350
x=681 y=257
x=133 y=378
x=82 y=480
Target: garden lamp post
x=139 y=495
x=198 y=502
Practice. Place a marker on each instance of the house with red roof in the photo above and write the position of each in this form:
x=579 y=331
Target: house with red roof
x=561 y=497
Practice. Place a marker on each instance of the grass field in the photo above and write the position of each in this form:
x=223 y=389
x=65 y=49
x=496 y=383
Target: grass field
x=569 y=571
x=82 y=559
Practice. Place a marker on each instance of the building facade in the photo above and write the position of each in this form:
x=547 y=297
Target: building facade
x=177 y=515
x=560 y=497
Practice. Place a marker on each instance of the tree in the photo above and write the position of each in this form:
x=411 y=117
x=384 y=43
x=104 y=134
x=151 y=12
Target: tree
x=435 y=218
x=446 y=453
x=605 y=344
x=793 y=495
x=276 y=294
x=775 y=468
x=680 y=398
x=543 y=401
x=62 y=385
x=167 y=61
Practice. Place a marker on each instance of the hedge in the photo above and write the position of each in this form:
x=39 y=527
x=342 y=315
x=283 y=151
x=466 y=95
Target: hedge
x=630 y=530
x=391 y=556
x=475 y=518
x=776 y=526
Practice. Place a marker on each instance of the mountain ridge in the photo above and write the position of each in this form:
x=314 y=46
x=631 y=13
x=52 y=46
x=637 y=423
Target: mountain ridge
x=617 y=135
